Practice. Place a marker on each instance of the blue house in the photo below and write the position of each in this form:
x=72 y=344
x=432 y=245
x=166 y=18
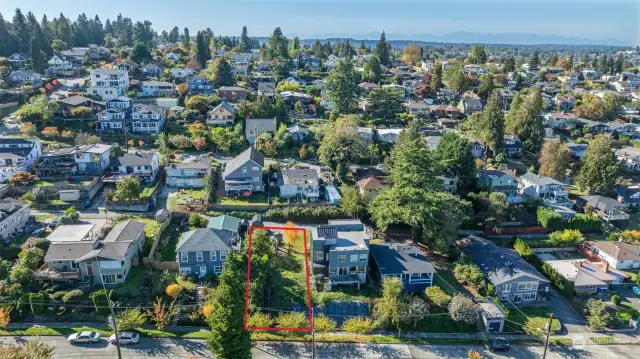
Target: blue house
x=404 y=261
x=199 y=85
x=151 y=70
x=203 y=251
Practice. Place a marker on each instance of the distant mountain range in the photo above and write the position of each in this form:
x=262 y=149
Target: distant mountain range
x=463 y=37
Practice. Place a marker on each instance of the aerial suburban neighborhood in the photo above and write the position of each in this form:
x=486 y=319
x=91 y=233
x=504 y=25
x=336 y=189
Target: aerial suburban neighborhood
x=288 y=197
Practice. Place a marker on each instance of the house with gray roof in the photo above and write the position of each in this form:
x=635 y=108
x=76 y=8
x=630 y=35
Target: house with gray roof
x=222 y=115
x=587 y=277
x=157 y=88
x=142 y=165
x=256 y=127
x=299 y=183
x=551 y=191
x=191 y=173
x=147 y=119
x=83 y=260
x=495 y=180
x=606 y=208
x=243 y=173
x=203 y=251
x=515 y=281
x=151 y=70
x=25 y=76
x=404 y=261
x=341 y=252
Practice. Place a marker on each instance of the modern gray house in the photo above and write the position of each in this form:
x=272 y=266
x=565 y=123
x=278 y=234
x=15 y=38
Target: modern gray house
x=404 y=261
x=203 y=251
x=243 y=173
x=515 y=281
x=341 y=252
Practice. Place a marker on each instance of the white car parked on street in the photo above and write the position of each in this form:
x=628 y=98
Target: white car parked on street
x=84 y=337
x=125 y=338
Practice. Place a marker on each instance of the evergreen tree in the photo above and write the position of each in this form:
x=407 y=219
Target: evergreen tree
x=294 y=47
x=509 y=65
x=8 y=42
x=37 y=56
x=486 y=85
x=108 y=27
x=611 y=66
x=186 y=39
x=220 y=73
x=455 y=78
x=47 y=29
x=384 y=103
x=342 y=87
x=362 y=50
x=174 y=35
x=97 y=31
x=372 y=71
x=454 y=153
x=63 y=30
x=383 y=49
x=36 y=32
x=599 y=171
x=511 y=119
x=570 y=63
x=21 y=31
x=534 y=59
x=619 y=65
x=493 y=123
x=244 y=40
x=551 y=61
x=203 y=54
x=602 y=64
x=277 y=45
x=528 y=125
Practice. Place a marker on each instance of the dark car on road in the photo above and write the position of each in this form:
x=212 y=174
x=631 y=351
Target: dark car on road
x=497 y=345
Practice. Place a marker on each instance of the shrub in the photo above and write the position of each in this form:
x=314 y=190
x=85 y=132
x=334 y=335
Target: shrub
x=299 y=214
x=22 y=178
x=292 y=320
x=81 y=111
x=73 y=296
x=536 y=325
x=615 y=299
x=437 y=296
x=564 y=286
x=50 y=131
x=358 y=325
x=548 y=218
x=32 y=257
x=323 y=324
x=464 y=310
x=198 y=221
x=597 y=315
x=36 y=302
x=100 y=301
x=58 y=295
x=180 y=141
x=260 y=320
x=469 y=274
x=173 y=290
x=567 y=238
x=21 y=274
x=35 y=242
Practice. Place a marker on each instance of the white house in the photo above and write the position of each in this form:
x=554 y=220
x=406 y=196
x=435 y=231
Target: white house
x=143 y=165
x=147 y=119
x=619 y=255
x=389 y=135
x=172 y=56
x=552 y=192
x=157 y=88
x=180 y=73
x=59 y=63
x=299 y=183
x=17 y=155
x=15 y=215
x=108 y=83
x=191 y=173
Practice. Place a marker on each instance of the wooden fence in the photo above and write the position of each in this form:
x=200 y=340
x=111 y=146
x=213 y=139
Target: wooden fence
x=160 y=265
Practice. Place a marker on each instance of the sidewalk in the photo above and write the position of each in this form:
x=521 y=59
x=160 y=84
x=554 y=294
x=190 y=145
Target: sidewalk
x=102 y=326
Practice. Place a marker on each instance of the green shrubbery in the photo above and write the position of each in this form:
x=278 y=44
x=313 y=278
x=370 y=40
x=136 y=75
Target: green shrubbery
x=564 y=286
x=548 y=218
x=437 y=296
x=100 y=301
x=304 y=214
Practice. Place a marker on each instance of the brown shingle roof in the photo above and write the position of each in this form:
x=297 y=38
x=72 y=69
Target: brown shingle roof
x=368 y=183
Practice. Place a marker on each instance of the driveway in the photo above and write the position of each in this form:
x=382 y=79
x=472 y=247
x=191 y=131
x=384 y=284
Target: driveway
x=628 y=294
x=568 y=316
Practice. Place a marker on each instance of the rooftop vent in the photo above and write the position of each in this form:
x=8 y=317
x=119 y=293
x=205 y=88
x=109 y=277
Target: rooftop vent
x=508 y=263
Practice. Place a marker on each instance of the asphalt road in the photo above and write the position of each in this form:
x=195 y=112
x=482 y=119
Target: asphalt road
x=184 y=348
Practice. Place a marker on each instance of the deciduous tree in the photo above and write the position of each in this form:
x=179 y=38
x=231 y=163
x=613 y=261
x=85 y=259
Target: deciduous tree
x=130 y=319
x=412 y=54
x=463 y=310
x=342 y=144
x=554 y=160
x=599 y=171
x=128 y=188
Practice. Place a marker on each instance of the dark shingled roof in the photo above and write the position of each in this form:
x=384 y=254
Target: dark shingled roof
x=204 y=239
x=400 y=258
x=134 y=159
x=126 y=231
x=249 y=154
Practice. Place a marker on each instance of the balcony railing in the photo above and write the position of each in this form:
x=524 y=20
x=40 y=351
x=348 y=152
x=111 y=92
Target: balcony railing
x=345 y=279
x=53 y=274
x=614 y=216
x=561 y=193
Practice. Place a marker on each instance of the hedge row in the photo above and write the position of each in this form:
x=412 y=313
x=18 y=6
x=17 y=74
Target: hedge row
x=564 y=286
x=304 y=214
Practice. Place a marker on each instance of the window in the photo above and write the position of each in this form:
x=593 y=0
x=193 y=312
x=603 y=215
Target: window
x=185 y=270
x=109 y=278
x=506 y=288
x=119 y=276
x=212 y=256
x=361 y=269
x=363 y=256
x=217 y=270
x=184 y=257
x=244 y=169
x=415 y=275
x=333 y=270
x=318 y=255
x=199 y=257
x=352 y=270
x=353 y=258
x=256 y=169
x=223 y=255
x=342 y=258
x=527 y=286
x=530 y=296
x=404 y=276
x=256 y=179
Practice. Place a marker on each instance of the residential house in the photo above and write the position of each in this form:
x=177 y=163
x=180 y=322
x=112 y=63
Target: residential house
x=147 y=119
x=341 y=252
x=240 y=67
x=266 y=88
x=577 y=150
x=573 y=79
x=157 y=89
x=445 y=111
x=178 y=73
x=370 y=187
x=18 y=59
x=404 y=261
x=115 y=116
x=606 y=208
x=26 y=77
x=419 y=108
x=129 y=66
x=470 y=105
x=263 y=66
x=620 y=86
x=633 y=79
x=388 y=135
x=291 y=97
x=69 y=103
x=629 y=157
x=561 y=120
x=299 y=183
x=589 y=126
x=232 y=93
x=619 y=255
x=108 y=83
x=587 y=277
x=512 y=145
x=17 y=155
x=86 y=160
x=590 y=74
x=191 y=173
x=59 y=64
x=446 y=94
x=243 y=173
x=14 y=215
x=203 y=251
x=449 y=183
x=629 y=195
x=447 y=123
x=507 y=96
x=256 y=127
x=515 y=281
x=502 y=181
x=224 y=114
x=219 y=53
x=151 y=70
x=367 y=87
x=551 y=191
x=76 y=256
x=298 y=132
x=366 y=133
x=199 y=85
x=173 y=56
x=621 y=128
x=227 y=223
x=477 y=147
x=142 y=165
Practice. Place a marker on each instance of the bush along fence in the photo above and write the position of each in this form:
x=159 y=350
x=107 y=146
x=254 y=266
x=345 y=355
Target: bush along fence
x=551 y=220
x=560 y=283
x=150 y=261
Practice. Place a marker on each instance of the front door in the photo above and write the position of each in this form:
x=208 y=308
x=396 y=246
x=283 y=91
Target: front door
x=89 y=270
x=203 y=271
x=517 y=298
x=342 y=271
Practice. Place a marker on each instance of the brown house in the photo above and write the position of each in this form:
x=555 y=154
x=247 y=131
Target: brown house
x=232 y=93
x=370 y=186
x=447 y=111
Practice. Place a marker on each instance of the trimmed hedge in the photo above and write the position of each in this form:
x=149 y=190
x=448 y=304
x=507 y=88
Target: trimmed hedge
x=304 y=214
x=100 y=302
x=548 y=218
x=564 y=286
x=584 y=223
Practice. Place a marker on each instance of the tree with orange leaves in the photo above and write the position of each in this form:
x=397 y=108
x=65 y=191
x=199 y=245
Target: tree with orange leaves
x=200 y=143
x=5 y=316
x=291 y=236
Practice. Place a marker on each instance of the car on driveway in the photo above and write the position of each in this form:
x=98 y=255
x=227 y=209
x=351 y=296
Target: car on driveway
x=125 y=338
x=494 y=345
x=84 y=337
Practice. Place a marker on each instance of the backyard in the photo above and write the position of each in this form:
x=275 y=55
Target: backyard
x=255 y=199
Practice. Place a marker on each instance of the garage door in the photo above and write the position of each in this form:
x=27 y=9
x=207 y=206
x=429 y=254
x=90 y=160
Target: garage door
x=494 y=327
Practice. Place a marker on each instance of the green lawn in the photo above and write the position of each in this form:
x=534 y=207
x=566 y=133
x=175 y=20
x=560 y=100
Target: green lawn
x=516 y=320
x=258 y=198
x=150 y=333
x=171 y=236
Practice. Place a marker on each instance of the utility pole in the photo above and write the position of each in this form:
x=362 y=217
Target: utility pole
x=113 y=314
x=546 y=344
x=313 y=335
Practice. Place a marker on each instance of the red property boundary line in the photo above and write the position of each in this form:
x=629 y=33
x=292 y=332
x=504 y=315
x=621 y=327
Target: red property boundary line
x=247 y=285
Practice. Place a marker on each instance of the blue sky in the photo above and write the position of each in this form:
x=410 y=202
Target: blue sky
x=606 y=19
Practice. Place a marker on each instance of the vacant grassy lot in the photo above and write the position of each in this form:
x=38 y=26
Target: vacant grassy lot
x=258 y=198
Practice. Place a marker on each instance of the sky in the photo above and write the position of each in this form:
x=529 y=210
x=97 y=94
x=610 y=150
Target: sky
x=363 y=19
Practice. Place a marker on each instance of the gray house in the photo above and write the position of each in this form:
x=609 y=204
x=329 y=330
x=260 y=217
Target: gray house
x=191 y=173
x=243 y=173
x=515 y=280
x=203 y=251
x=404 y=261
x=341 y=252
x=255 y=127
